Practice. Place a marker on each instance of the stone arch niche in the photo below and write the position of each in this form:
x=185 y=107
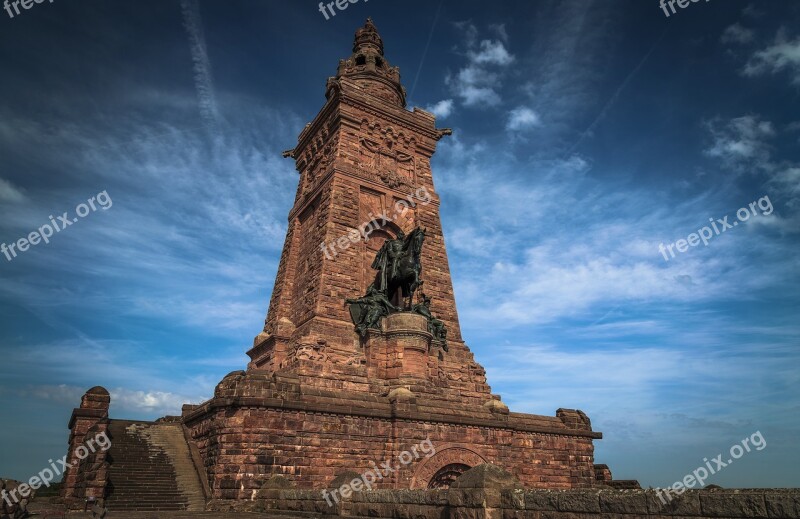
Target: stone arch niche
x=441 y=469
x=371 y=248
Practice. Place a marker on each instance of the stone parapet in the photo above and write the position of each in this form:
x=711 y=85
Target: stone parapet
x=544 y=504
x=86 y=474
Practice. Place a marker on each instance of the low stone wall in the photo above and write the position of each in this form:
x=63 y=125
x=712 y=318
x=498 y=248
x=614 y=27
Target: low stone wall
x=541 y=504
x=611 y=504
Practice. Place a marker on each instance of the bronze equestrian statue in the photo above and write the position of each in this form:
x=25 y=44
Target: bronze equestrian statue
x=399 y=268
x=399 y=265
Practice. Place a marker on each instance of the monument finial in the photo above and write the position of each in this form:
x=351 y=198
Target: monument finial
x=367 y=38
x=368 y=67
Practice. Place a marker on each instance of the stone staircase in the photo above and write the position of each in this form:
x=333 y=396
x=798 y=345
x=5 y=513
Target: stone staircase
x=151 y=469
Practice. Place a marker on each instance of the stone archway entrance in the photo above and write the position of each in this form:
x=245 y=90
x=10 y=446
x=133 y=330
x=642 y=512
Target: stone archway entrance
x=445 y=476
x=441 y=469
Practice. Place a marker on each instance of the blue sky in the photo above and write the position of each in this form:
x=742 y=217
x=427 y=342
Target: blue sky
x=586 y=134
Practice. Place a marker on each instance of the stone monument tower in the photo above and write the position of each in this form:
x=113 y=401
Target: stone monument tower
x=338 y=380
x=319 y=398
x=364 y=165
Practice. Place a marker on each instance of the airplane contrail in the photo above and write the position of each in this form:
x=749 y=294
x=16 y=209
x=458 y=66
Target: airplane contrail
x=202 y=66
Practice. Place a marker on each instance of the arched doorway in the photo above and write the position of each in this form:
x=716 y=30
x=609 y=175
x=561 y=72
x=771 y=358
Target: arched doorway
x=441 y=469
x=445 y=476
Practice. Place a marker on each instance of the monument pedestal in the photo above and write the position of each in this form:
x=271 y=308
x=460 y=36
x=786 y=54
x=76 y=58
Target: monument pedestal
x=400 y=349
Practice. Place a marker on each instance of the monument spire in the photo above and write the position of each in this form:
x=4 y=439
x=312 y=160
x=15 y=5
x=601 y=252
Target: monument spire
x=367 y=37
x=369 y=68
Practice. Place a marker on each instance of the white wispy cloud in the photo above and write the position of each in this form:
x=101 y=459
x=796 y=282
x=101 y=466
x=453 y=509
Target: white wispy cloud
x=141 y=380
x=191 y=244
x=152 y=401
x=782 y=55
x=741 y=143
x=122 y=399
x=479 y=82
x=490 y=52
x=565 y=67
x=231 y=315
x=744 y=145
x=788 y=180
x=521 y=248
x=785 y=182
x=737 y=33
x=752 y=12
x=521 y=118
x=500 y=30
x=441 y=109
x=199 y=221
x=585 y=275
x=10 y=193
x=642 y=374
x=475 y=86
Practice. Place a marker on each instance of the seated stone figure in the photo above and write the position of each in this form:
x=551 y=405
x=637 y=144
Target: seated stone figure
x=435 y=326
x=367 y=311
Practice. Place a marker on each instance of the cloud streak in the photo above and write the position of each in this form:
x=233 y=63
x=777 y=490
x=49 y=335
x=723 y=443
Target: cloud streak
x=203 y=78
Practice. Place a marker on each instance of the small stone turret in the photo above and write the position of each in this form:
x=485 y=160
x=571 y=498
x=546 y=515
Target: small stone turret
x=370 y=70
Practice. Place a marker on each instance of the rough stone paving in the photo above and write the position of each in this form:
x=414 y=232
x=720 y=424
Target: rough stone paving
x=317 y=400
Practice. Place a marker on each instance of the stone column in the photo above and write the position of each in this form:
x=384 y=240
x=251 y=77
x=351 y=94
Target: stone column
x=408 y=341
x=270 y=351
x=93 y=410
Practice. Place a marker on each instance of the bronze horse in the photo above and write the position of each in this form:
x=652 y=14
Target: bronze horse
x=399 y=264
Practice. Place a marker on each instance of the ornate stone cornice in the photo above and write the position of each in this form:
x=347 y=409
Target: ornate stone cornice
x=207 y=409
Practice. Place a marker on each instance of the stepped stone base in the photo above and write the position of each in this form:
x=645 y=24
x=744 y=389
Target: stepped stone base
x=309 y=427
